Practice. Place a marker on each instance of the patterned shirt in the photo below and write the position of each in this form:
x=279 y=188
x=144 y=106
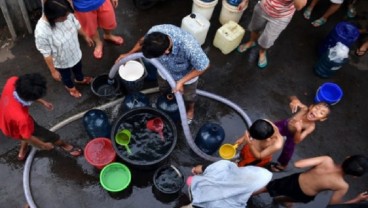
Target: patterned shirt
x=186 y=53
x=60 y=42
x=278 y=8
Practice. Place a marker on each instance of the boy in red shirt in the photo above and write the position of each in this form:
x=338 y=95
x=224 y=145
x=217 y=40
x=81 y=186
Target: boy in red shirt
x=15 y=121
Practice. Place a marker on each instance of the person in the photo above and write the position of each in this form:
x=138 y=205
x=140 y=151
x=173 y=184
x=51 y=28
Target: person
x=333 y=8
x=298 y=127
x=261 y=141
x=94 y=14
x=180 y=53
x=56 y=37
x=271 y=16
x=18 y=95
x=224 y=184
x=323 y=174
x=356 y=202
x=362 y=49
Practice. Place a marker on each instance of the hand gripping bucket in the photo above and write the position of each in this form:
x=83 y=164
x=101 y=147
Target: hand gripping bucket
x=132 y=74
x=329 y=92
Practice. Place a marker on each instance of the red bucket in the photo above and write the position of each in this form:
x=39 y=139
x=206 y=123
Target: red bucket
x=99 y=152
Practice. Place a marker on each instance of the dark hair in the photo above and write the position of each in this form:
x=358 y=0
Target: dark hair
x=155 y=44
x=325 y=105
x=355 y=165
x=261 y=129
x=31 y=87
x=54 y=9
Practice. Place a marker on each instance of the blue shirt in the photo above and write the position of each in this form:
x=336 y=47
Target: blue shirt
x=87 y=5
x=186 y=52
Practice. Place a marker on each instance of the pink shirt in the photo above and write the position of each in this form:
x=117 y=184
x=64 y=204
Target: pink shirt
x=278 y=8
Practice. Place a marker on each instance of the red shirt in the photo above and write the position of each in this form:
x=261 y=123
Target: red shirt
x=278 y=8
x=15 y=120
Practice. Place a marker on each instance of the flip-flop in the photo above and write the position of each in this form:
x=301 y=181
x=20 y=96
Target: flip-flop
x=319 y=22
x=22 y=158
x=243 y=48
x=86 y=80
x=190 y=121
x=307 y=13
x=263 y=63
x=359 y=52
x=275 y=167
x=117 y=40
x=98 y=53
x=74 y=151
x=73 y=92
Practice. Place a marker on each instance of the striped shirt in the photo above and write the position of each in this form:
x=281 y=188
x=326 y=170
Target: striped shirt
x=278 y=8
x=60 y=42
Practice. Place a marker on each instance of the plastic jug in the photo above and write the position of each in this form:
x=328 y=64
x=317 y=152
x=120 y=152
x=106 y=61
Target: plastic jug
x=196 y=25
x=210 y=137
x=96 y=124
x=228 y=37
x=134 y=100
x=167 y=103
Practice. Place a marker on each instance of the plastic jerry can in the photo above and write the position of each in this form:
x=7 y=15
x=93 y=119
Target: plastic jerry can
x=228 y=37
x=196 y=25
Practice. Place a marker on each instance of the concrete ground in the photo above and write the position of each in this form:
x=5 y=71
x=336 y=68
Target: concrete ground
x=58 y=180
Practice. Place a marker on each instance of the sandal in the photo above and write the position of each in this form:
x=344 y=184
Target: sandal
x=73 y=151
x=307 y=13
x=360 y=52
x=243 y=47
x=74 y=92
x=98 y=53
x=117 y=40
x=319 y=22
x=85 y=81
x=262 y=63
x=275 y=167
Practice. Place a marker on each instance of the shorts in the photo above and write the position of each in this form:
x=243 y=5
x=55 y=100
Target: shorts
x=189 y=95
x=337 y=1
x=272 y=27
x=44 y=134
x=103 y=17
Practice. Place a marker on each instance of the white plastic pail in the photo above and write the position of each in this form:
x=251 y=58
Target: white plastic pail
x=204 y=8
x=132 y=74
x=229 y=12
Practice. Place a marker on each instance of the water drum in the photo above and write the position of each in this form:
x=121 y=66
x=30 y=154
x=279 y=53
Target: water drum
x=132 y=74
x=229 y=12
x=329 y=92
x=204 y=7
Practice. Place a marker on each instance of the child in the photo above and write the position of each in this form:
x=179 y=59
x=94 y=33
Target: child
x=298 y=127
x=261 y=141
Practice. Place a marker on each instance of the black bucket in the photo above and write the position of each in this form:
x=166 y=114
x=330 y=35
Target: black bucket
x=148 y=149
x=101 y=87
x=132 y=75
x=168 y=179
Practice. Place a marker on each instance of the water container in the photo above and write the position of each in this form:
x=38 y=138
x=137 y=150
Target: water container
x=230 y=12
x=204 y=7
x=329 y=92
x=344 y=32
x=228 y=37
x=167 y=103
x=234 y=2
x=196 y=25
x=210 y=137
x=132 y=75
x=96 y=124
x=332 y=60
x=134 y=100
x=150 y=69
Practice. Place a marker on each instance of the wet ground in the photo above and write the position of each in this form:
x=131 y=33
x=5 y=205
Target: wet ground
x=59 y=180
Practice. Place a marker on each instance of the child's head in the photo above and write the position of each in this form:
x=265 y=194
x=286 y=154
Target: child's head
x=261 y=129
x=318 y=112
x=57 y=11
x=31 y=87
x=355 y=165
x=155 y=45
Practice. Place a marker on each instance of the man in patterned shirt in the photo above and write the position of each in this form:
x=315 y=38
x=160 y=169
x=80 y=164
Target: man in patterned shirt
x=180 y=53
x=271 y=16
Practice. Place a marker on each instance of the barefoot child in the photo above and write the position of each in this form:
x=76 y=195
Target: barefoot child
x=261 y=141
x=298 y=127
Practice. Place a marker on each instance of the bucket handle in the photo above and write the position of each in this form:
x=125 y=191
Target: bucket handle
x=176 y=170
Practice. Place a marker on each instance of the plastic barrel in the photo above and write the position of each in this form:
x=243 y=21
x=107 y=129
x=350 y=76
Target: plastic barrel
x=328 y=92
x=326 y=68
x=204 y=7
x=132 y=74
x=343 y=32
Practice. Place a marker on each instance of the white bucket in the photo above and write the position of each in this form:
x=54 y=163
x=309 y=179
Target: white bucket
x=204 y=8
x=197 y=25
x=229 y=12
x=131 y=71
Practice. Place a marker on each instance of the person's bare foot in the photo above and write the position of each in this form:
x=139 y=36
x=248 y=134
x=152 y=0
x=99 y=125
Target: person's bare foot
x=23 y=151
x=118 y=40
x=73 y=151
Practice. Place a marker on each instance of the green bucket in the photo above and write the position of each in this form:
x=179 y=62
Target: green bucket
x=115 y=177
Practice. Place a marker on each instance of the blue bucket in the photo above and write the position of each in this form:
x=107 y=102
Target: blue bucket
x=329 y=92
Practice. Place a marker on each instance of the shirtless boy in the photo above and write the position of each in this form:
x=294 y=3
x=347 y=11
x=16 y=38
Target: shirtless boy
x=323 y=175
x=298 y=127
x=261 y=141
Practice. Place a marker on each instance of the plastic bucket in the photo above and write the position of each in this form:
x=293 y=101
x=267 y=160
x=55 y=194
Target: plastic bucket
x=115 y=177
x=101 y=87
x=168 y=179
x=343 y=32
x=204 y=8
x=99 y=152
x=132 y=74
x=329 y=92
x=228 y=151
x=229 y=12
